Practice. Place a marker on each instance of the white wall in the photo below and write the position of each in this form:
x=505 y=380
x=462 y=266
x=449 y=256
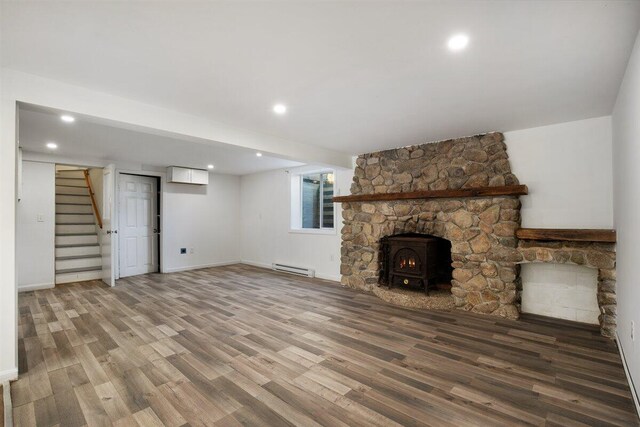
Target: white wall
x=205 y=218
x=96 y=177
x=8 y=278
x=36 y=214
x=265 y=222
x=567 y=168
x=626 y=176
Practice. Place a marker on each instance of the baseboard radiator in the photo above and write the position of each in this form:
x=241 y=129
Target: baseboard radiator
x=300 y=271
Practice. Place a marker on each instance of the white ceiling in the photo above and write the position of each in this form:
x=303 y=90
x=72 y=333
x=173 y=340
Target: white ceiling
x=356 y=76
x=89 y=138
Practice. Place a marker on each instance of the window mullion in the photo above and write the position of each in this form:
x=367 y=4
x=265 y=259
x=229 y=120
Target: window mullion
x=321 y=202
x=301 y=204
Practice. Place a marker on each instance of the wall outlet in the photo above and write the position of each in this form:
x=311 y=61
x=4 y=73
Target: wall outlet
x=40 y=218
x=190 y=250
x=331 y=257
x=183 y=251
x=633 y=331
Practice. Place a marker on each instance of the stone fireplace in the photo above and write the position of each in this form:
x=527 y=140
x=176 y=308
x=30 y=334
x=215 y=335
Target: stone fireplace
x=481 y=230
x=463 y=191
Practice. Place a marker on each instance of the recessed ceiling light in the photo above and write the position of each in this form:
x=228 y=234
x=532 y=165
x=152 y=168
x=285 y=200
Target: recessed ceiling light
x=52 y=145
x=67 y=118
x=259 y=154
x=210 y=166
x=279 y=108
x=458 y=42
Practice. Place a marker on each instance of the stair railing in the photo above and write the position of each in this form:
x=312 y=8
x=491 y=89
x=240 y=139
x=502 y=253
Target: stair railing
x=87 y=178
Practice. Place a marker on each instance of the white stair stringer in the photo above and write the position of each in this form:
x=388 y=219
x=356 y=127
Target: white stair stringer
x=77 y=246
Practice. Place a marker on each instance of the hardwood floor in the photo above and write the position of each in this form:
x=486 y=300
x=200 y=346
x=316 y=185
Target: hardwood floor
x=239 y=345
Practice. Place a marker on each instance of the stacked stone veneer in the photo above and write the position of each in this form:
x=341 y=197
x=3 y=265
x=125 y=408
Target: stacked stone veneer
x=472 y=162
x=600 y=256
x=481 y=230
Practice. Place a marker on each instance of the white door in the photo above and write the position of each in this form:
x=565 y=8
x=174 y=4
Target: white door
x=137 y=225
x=107 y=242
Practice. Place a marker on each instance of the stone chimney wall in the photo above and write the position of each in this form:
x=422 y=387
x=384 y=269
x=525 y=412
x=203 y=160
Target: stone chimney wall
x=471 y=162
x=481 y=230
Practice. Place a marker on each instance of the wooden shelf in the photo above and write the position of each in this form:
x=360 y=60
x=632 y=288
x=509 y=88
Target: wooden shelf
x=566 y=234
x=506 y=190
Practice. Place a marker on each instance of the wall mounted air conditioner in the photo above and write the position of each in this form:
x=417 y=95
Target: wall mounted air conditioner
x=181 y=175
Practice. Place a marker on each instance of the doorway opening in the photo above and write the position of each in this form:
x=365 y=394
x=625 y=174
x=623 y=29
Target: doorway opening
x=138 y=213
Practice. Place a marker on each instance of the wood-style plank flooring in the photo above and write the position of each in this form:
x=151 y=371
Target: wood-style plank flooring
x=239 y=345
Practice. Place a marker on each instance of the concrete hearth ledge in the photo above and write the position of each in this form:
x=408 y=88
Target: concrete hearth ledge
x=436 y=300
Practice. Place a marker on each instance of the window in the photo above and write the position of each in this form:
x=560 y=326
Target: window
x=311 y=201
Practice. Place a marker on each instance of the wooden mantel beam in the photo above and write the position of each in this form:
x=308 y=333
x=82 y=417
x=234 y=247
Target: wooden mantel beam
x=566 y=234
x=505 y=190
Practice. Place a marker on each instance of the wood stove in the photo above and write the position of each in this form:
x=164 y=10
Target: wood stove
x=414 y=260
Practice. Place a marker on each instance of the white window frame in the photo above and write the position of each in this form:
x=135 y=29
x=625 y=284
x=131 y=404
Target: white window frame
x=295 y=220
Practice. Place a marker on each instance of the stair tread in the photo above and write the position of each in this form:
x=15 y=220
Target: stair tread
x=74 y=204
x=68 y=177
x=72 y=194
x=77 y=270
x=76 y=234
x=70 y=213
x=78 y=245
x=75 y=223
x=65 y=258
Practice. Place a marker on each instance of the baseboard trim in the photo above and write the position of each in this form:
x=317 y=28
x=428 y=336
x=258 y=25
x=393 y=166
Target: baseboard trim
x=36 y=287
x=198 y=267
x=329 y=278
x=628 y=374
x=256 y=264
x=8 y=405
x=9 y=375
x=268 y=266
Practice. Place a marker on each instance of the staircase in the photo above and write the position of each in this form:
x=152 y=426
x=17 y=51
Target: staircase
x=77 y=248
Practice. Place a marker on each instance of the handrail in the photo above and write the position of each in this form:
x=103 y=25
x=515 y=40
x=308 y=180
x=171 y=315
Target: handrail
x=93 y=197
